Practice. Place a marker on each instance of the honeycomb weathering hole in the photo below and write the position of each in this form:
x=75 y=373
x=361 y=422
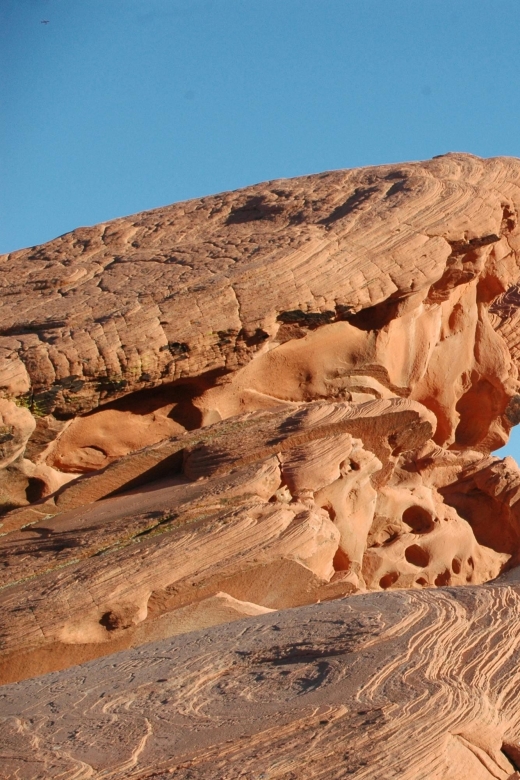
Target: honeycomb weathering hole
x=443 y=578
x=418 y=519
x=417 y=556
x=341 y=561
x=388 y=580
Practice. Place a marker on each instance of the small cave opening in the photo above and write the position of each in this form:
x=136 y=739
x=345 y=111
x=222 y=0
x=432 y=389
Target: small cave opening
x=443 y=578
x=114 y=620
x=178 y=395
x=511 y=750
x=388 y=580
x=341 y=561
x=124 y=425
x=477 y=409
x=110 y=621
x=418 y=520
x=375 y=317
x=36 y=489
x=417 y=556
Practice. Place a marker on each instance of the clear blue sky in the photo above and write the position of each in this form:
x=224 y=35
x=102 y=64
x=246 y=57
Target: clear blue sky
x=117 y=106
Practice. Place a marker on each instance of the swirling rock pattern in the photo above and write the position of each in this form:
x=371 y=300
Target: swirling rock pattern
x=408 y=684
x=280 y=397
x=339 y=269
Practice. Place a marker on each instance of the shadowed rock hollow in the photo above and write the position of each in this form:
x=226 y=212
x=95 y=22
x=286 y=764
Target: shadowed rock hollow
x=265 y=399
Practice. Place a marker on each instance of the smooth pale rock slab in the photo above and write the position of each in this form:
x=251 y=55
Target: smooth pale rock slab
x=338 y=689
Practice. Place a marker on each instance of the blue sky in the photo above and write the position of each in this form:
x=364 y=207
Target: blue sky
x=117 y=106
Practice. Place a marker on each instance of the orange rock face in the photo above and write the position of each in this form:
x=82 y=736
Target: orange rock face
x=260 y=400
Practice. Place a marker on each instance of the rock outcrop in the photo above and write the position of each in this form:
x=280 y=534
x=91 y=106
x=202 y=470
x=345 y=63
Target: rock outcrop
x=410 y=684
x=265 y=399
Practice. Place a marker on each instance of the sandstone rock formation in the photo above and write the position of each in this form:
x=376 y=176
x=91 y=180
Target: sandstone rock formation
x=267 y=399
x=411 y=684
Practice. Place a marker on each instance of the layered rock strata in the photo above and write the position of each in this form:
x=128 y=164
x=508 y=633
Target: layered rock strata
x=265 y=399
x=407 y=684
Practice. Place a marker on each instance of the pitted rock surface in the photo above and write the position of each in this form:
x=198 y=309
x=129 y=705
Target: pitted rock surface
x=281 y=397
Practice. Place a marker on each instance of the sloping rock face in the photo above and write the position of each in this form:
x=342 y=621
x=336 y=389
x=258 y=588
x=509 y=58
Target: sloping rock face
x=414 y=685
x=271 y=398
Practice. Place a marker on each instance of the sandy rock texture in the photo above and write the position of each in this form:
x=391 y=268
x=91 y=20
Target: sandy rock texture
x=376 y=281
x=412 y=685
x=282 y=397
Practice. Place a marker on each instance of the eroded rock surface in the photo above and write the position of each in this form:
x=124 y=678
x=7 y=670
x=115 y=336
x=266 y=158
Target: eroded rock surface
x=259 y=400
x=407 y=684
x=376 y=281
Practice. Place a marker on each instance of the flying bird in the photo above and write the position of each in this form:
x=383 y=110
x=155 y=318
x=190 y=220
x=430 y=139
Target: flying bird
x=44 y=21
